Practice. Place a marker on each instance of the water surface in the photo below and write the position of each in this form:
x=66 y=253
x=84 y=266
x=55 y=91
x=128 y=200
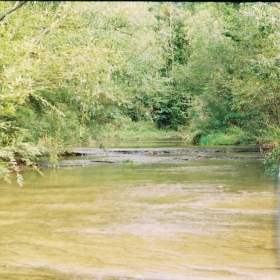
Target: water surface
x=207 y=219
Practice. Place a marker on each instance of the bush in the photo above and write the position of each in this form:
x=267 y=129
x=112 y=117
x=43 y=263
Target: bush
x=272 y=160
x=231 y=136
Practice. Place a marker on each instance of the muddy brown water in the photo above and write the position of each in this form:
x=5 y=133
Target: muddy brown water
x=213 y=218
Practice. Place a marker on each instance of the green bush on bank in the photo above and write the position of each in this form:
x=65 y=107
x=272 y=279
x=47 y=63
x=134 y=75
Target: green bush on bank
x=231 y=136
x=271 y=159
x=135 y=131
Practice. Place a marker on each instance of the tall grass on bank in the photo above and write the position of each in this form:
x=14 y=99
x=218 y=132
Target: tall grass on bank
x=136 y=130
x=232 y=136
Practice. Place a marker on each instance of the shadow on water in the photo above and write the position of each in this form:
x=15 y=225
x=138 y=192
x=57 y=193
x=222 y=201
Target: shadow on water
x=208 y=219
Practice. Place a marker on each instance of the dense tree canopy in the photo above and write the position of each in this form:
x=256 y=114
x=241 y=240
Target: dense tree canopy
x=69 y=68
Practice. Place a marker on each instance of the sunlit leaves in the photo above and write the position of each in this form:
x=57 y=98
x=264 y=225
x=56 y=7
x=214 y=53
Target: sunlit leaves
x=233 y=65
x=67 y=67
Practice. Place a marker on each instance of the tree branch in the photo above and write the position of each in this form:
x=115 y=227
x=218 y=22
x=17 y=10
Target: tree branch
x=48 y=28
x=117 y=29
x=17 y=5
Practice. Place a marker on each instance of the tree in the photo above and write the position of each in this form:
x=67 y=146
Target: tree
x=232 y=70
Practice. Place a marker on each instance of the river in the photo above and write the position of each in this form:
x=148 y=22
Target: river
x=213 y=218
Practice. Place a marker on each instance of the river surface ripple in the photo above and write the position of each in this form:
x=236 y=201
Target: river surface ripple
x=204 y=219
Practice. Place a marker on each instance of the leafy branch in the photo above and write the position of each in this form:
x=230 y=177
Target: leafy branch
x=47 y=104
x=17 y=5
x=52 y=25
x=117 y=29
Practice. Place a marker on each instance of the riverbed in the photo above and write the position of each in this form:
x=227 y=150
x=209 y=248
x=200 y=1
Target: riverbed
x=196 y=218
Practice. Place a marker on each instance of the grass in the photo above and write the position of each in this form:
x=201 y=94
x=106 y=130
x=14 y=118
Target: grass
x=135 y=131
x=127 y=161
x=144 y=130
x=232 y=136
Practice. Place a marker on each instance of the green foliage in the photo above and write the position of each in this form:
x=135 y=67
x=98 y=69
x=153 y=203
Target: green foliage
x=128 y=161
x=272 y=160
x=135 y=131
x=171 y=112
x=11 y=157
x=269 y=141
x=231 y=136
x=232 y=68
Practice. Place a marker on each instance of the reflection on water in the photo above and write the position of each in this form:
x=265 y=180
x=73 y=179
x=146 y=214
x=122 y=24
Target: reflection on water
x=210 y=219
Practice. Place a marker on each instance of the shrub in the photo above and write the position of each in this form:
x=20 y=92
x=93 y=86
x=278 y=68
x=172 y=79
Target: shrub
x=231 y=136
